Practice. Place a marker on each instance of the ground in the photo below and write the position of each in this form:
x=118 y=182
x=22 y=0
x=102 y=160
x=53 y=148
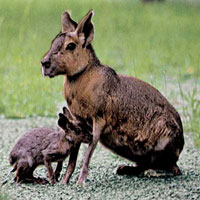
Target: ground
x=102 y=182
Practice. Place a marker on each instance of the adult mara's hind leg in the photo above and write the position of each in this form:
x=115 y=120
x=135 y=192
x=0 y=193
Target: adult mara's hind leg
x=174 y=169
x=138 y=170
x=166 y=161
x=168 y=147
x=130 y=170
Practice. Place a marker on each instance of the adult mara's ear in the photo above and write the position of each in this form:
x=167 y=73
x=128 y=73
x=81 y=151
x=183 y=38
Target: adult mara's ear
x=68 y=24
x=85 y=29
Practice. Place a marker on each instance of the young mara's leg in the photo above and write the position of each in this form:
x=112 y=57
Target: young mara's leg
x=72 y=163
x=22 y=171
x=58 y=170
x=50 y=171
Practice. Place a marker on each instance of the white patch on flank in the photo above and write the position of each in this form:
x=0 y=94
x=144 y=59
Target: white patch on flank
x=162 y=142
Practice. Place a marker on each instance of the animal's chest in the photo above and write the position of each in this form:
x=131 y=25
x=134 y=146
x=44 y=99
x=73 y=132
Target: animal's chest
x=77 y=103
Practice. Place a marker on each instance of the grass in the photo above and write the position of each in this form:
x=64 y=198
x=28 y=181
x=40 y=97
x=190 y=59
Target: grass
x=191 y=111
x=157 y=42
x=4 y=197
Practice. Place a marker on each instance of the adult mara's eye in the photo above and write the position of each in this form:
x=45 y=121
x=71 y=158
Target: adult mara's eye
x=71 y=46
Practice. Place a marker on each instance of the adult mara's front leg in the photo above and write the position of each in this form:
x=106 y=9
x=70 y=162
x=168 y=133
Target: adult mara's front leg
x=98 y=125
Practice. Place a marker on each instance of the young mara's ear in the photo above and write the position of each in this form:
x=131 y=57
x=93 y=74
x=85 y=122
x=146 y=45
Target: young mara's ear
x=85 y=29
x=68 y=25
x=62 y=121
x=67 y=113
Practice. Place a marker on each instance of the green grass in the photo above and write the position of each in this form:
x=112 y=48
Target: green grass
x=156 y=42
x=191 y=111
x=4 y=197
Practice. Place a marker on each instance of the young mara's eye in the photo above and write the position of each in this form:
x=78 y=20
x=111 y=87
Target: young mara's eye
x=71 y=46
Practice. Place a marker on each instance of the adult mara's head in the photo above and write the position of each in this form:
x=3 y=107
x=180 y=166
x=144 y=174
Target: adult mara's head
x=71 y=51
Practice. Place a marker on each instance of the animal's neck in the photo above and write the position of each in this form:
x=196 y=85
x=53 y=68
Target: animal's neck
x=76 y=76
x=92 y=55
x=93 y=61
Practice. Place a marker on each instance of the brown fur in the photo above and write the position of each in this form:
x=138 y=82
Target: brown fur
x=127 y=115
x=43 y=146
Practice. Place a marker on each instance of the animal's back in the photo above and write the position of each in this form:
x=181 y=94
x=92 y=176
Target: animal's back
x=140 y=101
x=30 y=144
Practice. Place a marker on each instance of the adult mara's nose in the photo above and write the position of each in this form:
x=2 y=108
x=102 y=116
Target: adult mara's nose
x=46 y=63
